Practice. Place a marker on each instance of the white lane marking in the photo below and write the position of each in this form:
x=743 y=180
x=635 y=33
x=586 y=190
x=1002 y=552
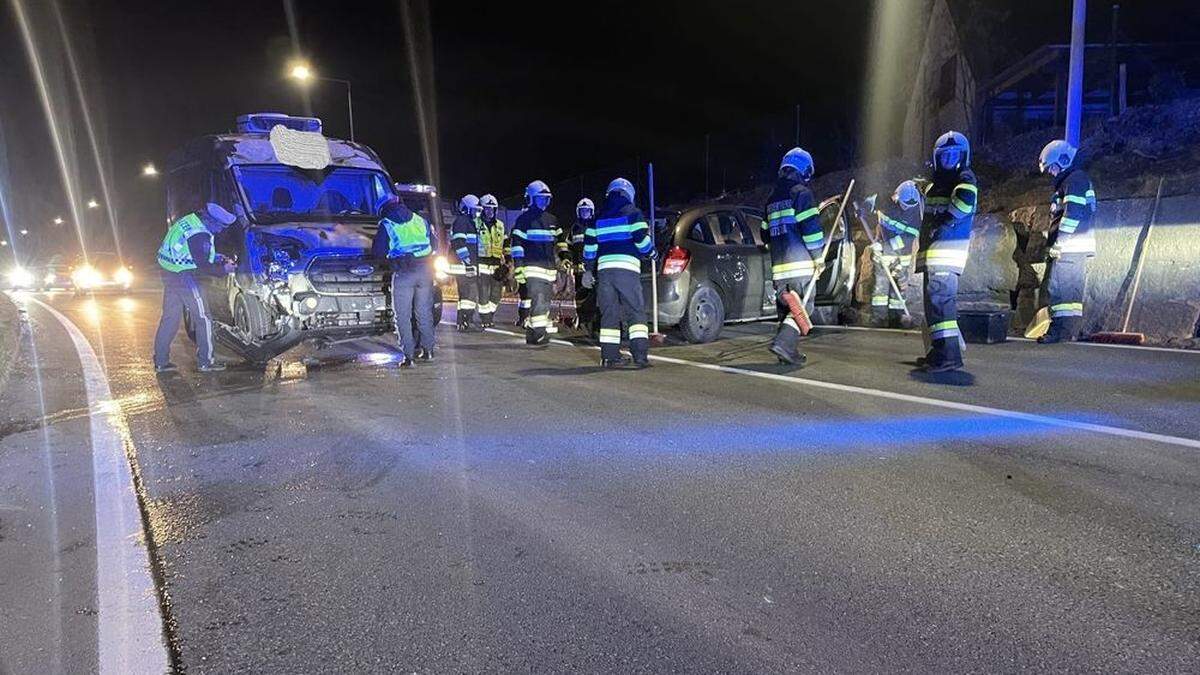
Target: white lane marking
x=1016 y=338
x=129 y=623
x=922 y=400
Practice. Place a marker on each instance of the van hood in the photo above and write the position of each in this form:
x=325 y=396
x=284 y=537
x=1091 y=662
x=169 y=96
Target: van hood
x=325 y=235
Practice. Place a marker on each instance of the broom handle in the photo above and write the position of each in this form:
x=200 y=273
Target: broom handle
x=812 y=283
x=653 y=247
x=1141 y=261
x=887 y=272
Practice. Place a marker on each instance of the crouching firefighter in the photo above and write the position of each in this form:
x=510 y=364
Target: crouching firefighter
x=1071 y=241
x=537 y=246
x=950 y=202
x=792 y=230
x=491 y=260
x=617 y=243
x=187 y=251
x=405 y=239
x=898 y=226
x=464 y=238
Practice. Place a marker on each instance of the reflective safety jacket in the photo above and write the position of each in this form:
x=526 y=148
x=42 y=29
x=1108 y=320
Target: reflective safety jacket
x=793 y=231
x=174 y=255
x=950 y=203
x=620 y=237
x=577 y=235
x=898 y=229
x=464 y=240
x=537 y=244
x=1074 y=202
x=491 y=239
x=407 y=234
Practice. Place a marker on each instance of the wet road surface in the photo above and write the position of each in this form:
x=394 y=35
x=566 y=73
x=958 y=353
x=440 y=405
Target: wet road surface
x=516 y=509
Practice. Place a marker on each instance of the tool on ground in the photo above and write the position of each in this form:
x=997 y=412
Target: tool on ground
x=1124 y=337
x=656 y=338
x=796 y=304
x=891 y=279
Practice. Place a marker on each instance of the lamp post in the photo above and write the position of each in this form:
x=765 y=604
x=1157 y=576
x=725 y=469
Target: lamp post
x=149 y=170
x=303 y=74
x=93 y=204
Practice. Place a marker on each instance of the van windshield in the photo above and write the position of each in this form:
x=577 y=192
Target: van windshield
x=277 y=193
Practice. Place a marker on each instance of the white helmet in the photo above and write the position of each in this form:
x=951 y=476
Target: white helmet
x=536 y=189
x=584 y=203
x=1060 y=153
x=488 y=202
x=219 y=214
x=468 y=205
x=952 y=141
x=907 y=194
x=621 y=185
x=798 y=159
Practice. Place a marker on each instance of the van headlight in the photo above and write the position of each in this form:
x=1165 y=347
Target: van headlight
x=441 y=268
x=123 y=276
x=19 y=277
x=86 y=276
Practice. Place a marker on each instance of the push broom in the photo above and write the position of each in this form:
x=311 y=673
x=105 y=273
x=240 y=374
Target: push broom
x=1124 y=337
x=797 y=305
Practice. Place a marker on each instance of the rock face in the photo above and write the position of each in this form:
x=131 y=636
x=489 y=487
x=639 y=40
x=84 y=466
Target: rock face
x=1007 y=263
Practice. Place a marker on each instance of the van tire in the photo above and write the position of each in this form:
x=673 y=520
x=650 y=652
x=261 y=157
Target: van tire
x=251 y=317
x=705 y=316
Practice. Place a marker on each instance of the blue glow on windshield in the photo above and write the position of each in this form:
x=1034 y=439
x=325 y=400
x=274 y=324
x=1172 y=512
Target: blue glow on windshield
x=278 y=193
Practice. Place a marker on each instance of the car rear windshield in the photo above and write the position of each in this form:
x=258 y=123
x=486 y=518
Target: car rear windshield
x=277 y=193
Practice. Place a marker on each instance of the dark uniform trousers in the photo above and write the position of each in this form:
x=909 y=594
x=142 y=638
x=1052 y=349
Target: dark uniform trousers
x=885 y=304
x=539 y=293
x=620 y=301
x=180 y=291
x=468 y=297
x=788 y=335
x=489 y=290
x=412 y=298
x=1062 y=291
x=941 y=316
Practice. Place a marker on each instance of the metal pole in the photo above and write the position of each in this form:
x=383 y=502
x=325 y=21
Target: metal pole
x=654 y=246
x=1075 y=81
x=350 y=109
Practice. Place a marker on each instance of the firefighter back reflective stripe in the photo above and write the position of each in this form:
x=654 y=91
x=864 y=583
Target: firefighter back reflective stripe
x=174 y=255
x=410 y=238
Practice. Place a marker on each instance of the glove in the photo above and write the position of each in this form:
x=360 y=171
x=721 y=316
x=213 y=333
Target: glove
x=877 y=249
x=1055 y=208
x=471 y=271
x=501 y=273
x=818 y=267
x=589 y=279
x=1053 y=253
x=564 y=264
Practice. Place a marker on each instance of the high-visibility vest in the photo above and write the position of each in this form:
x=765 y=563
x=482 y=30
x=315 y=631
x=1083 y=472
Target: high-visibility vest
x=491 y=239
x=409 y=238
x=174 y=255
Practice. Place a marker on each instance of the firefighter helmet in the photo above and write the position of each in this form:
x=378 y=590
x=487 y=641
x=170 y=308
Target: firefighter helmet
x=799 y=160
x=585 y=203
x=951 y=148
x=907 y=194
x=537 y=189
x=1056 y=153
x=621 y=185
x=468 y=205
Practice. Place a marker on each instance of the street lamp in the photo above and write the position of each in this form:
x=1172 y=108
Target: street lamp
x=149 y=170
x=93 y=204
x=24 y=232
x=58 y=221
x=303 y=73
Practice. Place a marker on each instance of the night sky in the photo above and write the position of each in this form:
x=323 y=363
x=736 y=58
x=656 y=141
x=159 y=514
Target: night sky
x=571 y=92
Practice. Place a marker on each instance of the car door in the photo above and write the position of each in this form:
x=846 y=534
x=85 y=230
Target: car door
x=762 y=257
x=736 y=269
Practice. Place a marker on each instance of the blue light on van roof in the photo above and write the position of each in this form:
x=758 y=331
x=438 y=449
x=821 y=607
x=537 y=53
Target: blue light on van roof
x=262 y=123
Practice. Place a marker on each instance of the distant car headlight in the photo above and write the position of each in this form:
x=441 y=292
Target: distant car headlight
x=19 y=277
x=49 y=278
x=123 y=276
x=441 y=268
x=86 y=277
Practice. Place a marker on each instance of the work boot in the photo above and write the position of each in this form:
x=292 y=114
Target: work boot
x=166 y=368
x=424 y=354
x=407 y=363
x=487 y=324
x=619 y=362
x=790 y=357
x=464 y=325
x=944 y=367
x=214 y=367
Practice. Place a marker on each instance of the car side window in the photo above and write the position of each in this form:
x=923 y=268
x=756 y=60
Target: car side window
x=731 y=230
x=754 y=224
x=699 y=231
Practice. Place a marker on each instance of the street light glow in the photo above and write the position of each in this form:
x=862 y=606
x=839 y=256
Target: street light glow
x=92 y=204
x=58 y=221
x=301 y=72
x=149 y=169
x=24 y=231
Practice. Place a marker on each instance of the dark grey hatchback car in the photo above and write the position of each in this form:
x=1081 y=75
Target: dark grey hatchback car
x=714 y=269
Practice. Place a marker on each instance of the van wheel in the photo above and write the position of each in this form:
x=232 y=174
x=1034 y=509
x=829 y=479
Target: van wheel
x=704 y=317
x=251 y=317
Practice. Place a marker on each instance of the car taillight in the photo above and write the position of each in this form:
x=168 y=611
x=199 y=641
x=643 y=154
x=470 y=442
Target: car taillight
x=676 y=261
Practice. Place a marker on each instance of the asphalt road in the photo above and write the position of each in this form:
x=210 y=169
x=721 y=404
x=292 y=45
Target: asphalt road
x=515 y=509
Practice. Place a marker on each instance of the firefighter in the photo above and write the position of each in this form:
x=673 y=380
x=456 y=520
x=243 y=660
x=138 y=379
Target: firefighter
x=793 y=232
x=950 y=202
x=585 y=298
x=616 y=244
x=899 y=224
x=538 y=247
x=1071 y=241
x=492 y=271
x=188 y=250
x=407 y=241
x=464 y=238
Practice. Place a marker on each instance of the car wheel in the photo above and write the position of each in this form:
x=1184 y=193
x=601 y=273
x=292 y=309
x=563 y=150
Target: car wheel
x=251 y=317
x=704 y=317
